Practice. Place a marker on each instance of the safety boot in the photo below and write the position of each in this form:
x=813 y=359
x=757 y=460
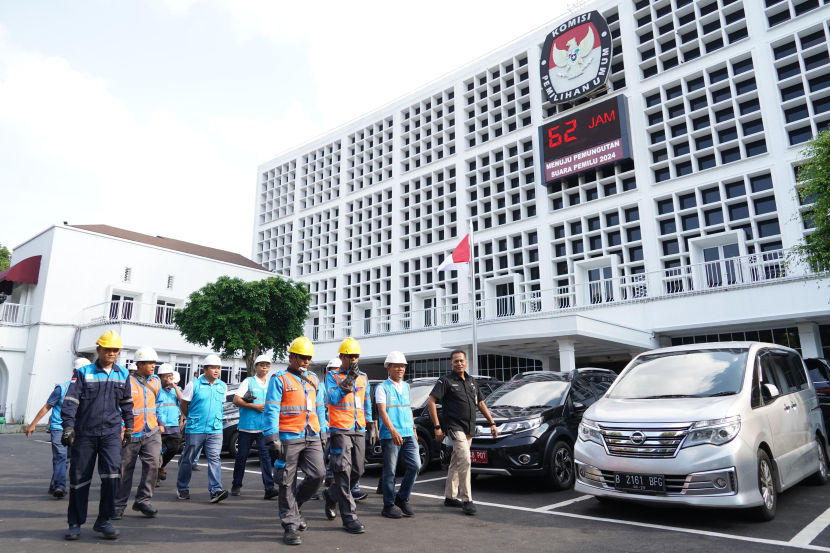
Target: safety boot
x=106 y=528
x=292 y=537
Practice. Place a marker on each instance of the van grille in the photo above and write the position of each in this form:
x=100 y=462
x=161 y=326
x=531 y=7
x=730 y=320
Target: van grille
x=650 y=441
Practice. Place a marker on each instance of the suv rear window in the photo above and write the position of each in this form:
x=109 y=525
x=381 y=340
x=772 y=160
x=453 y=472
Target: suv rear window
x=818 y=370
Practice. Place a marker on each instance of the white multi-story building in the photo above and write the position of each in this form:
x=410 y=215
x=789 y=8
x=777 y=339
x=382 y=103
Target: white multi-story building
x=70 y=284
x=684 y=241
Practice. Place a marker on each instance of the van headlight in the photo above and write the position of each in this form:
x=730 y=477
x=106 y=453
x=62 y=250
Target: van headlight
x=589 y=431
x=715 y=432
x=520 y=426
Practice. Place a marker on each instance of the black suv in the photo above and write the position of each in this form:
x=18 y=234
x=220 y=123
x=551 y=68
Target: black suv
x=419 y=390
x=537 y=414
x=820 y=375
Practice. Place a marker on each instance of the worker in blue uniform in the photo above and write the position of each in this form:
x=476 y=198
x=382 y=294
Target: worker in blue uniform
x=96 y=403
x=60 y=453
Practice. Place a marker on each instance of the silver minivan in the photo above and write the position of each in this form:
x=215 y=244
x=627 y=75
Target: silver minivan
x=729 y=424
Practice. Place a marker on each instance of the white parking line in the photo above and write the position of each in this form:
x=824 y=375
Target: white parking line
x=645 y=525
x=430 y=480
x=811 y=532
x=565 y=503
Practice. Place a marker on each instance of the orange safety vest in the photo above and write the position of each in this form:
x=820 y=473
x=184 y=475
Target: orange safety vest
x=343 y=414
x=144 y=403
x=298 y=407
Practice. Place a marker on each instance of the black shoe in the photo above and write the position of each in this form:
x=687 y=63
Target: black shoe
x=292 y=537
x=316 y=497
x=236 y=490
x=73 y=533
x=360 y=496
x=406 y=510
x=379 y=491
x=452 y=502
x=162 y=474
x=145 y=509
x=219 y=496
x=469 y=508
x=303 y=524
x=272 y=493
x=119 y=514
x=183 y=494
x=354 y=527
x=390 y=511
x=195 y=467
x=329 y=481
x=330 y=506
x=107 y=529
x=58 y=494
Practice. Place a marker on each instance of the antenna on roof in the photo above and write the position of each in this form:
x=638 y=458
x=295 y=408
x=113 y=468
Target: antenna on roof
x=65 y=223
x=576 y=6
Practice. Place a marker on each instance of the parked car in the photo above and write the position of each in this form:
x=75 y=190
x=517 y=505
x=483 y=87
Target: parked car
x=230 y=420
x=537 y=414
x=419 y=390
x=819 y=370
x=729 y=424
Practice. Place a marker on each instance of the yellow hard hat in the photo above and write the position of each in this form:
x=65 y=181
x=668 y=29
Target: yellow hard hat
x=110 y=339
x=301 y=346
x=349 y=346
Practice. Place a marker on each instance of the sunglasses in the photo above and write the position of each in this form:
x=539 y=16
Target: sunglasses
x=303 y=357
x=351 y=356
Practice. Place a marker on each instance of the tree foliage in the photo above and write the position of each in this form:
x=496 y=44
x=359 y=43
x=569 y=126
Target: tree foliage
x=5 y=258
x=813 y=186
x=232 y=315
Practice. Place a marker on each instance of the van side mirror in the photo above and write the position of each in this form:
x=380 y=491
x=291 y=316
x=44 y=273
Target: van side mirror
x=769 y=391
x=579 y=407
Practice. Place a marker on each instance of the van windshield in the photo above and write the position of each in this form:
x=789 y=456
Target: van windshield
x=678 y=374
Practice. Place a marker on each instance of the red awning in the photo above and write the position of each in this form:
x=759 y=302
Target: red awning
x=25 y=271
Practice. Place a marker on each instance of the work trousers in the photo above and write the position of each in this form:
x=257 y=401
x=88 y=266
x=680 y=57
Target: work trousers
x=194 y=443
x=60 y=459
x=410 y=455
x=243 y=449
x=348 y=455
x=171 y=444
x=148 y=448
x=458 y=475
x=305 y=454
x=85 y=451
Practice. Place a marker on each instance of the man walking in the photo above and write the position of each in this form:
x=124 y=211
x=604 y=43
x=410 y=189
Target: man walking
x=202 y=405
x=459 y=395
x=397 y=436
x=146 y=438
x=350 y=413
x=250 y=398
x=60 y=453
x=97 y=401
x=294 y=423
x=169 y=416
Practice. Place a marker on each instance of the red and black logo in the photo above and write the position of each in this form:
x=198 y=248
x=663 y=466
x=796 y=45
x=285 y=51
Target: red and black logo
x=576 y=58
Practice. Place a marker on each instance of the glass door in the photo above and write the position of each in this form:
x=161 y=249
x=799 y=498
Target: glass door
x=720 y=266
x=600 y=285
x=505 y=300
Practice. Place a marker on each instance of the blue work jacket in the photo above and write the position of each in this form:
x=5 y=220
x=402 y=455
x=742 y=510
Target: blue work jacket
x=96 y=403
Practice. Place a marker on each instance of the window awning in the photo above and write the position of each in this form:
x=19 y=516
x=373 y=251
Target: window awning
x=25 y=271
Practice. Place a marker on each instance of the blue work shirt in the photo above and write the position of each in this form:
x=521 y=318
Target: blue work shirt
x=167 y=410
x=273 y=401
x=56 y=401
x=206 y=407
x=335 y=395
x=97 y=403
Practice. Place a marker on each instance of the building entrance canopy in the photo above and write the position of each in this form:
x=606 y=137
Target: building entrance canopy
x=25 y=272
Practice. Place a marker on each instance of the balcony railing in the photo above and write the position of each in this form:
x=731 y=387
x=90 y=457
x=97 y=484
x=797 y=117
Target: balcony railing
x=737 y=272
x=128 y=311
x=14 y=313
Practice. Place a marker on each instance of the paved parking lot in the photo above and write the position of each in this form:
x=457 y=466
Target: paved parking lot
x=514 y=514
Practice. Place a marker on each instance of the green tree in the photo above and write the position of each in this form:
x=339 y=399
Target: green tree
x=813 y=187
x=232 y=315
x=5 y=263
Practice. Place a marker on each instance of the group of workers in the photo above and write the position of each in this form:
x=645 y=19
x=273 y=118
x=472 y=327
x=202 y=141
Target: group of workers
x=298 y=423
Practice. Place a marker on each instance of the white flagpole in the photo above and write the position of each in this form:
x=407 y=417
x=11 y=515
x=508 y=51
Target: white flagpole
x=473 y=300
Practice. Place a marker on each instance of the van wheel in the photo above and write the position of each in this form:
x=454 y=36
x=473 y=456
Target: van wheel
x=766 y=485
x=820 y=477
x=561 y=471
x=232 y=445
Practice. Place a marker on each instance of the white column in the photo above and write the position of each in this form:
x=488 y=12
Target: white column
x=173 y=358
x=810 y=338
x=545 y=363
x=123 y=356
x=567 y=356
x=472 y=364
x=194 y=366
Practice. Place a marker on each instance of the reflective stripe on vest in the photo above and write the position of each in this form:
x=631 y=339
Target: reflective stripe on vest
x=398 y=411
x=298 y=408
x=251 y=419
x=144 y=403
x=344 y=413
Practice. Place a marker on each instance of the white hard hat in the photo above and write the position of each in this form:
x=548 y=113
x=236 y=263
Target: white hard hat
x=176 y=377
x=81 y=362
x=132 y=367
x=212 y=360
x=166 y=368
x=262 y=359
x=394 y=357
x=146 y=354
x=334 y=363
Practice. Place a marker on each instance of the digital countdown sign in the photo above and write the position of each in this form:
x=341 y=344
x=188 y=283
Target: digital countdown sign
x=585 y=139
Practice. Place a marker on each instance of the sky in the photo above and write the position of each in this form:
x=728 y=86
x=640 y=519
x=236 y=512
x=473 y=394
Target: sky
x=153 y=115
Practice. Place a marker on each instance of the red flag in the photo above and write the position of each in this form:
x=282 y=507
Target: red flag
x=460 y=257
